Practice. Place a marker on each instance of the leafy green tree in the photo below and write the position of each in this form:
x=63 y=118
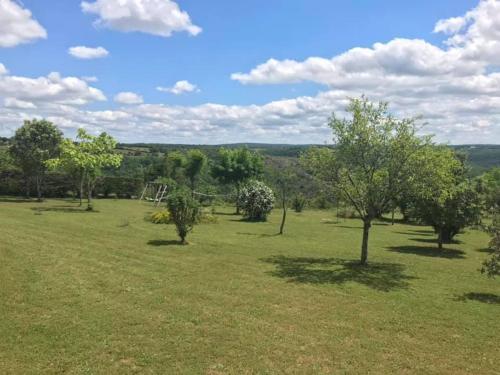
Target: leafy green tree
x=490 y=188
x=184 y=212
x=491 y=266
x=33 y=144
x=196 y=160
x=175 y=163
x=441 y=195
x=87 y=156
x=371 y=162
x=236 y=166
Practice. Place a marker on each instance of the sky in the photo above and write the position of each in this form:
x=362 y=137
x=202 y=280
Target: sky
x=224 y=71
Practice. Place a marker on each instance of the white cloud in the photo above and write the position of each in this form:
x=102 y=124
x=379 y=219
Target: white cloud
x=455 y=86
x=19 y=104
x=17 y=25
x=52 y=89
x=82 y=52
x=157 y=17
x=128 y=98
x=180 y=87
x=3 y=69
x=90 y=79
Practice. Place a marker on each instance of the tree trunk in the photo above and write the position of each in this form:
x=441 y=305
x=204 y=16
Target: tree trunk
x=237 y=199
x=28 y=187
x=82 y=181
x=89 y=196
x=39 y=188
x=440 y=238
x=282 y=226
x=364 y=246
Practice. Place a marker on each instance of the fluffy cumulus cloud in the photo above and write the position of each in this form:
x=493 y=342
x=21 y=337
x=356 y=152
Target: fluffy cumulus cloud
x=180 y=87
x=87 y=53
x=52 y=89
x=453 y=85
x=128 y=98
x=17 y=25
x=157 y=17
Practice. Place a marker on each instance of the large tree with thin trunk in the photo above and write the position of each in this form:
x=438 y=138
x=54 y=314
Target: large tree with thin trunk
x=33 y=144
x=87 y=156
x=196 y=160
x=237 y=166
x=373 y=159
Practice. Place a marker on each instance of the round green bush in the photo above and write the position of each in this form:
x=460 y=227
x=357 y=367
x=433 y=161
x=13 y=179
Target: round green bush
x=256 y=201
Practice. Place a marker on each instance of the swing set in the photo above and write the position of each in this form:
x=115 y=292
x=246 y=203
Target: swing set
x=154 y=192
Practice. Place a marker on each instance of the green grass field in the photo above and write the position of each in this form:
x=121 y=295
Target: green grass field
x=108 y=292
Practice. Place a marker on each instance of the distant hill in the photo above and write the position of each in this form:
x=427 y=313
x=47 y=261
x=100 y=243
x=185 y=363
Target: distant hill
x=480 y=157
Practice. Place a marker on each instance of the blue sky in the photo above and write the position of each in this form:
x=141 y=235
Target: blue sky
x=237 y=37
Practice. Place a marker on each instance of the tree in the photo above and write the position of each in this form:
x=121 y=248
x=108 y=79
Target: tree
x=490 y=188
x=195 y=162
x=236 y=166
x=175 y=163
x=33 y=144
x=450 y=211
x=87 y=156
x=371 y=161
x=440 y=194
x=491 y=266
x=183 y=213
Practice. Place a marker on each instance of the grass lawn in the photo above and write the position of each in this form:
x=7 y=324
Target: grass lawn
x=108 y=292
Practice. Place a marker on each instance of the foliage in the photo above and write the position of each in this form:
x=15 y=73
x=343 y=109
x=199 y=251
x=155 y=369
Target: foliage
x=175 y=162
x=236 y=166
x=491 y=266
x=442 y=196
x=372 y=160
x=256 y=200
x=33 y=144
x=196 y=160
x=490 y=188
x=298 y=203
x=184 y=212
x=160 y=217
x=87 y=157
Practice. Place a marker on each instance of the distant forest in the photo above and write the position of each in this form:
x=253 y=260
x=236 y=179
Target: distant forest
x=480 y=157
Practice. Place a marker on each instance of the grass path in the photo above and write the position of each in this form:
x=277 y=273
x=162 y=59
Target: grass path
x=108 y=292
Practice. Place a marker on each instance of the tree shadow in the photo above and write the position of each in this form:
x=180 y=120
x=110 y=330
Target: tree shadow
x=433 y=240
x=480 y=297
x=486 y=250
x=164 y=242
x=67 y=209
x=378 y=276
x=258 y=234
x=17 y=200
x=429 y=251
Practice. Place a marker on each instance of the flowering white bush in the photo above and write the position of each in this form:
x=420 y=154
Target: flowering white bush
x=256 y=200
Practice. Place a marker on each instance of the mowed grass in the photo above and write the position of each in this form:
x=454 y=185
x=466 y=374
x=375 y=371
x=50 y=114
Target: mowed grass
x=108 y=292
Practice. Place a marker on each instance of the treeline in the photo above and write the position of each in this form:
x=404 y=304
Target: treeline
x=379 y=165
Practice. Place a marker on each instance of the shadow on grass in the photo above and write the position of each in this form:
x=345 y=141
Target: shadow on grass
x=17 y=200
x=480 y=297
x=486 y=250
x=164 y=242
x=67 y=209
x=433 y=240
x=258 y=234
x=379 y=276
x=429 y=251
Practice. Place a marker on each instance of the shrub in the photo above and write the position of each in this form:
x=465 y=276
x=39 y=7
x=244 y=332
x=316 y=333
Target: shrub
x=160 y=217
x=256 y=200
x=298 y=203
x=184 y=211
